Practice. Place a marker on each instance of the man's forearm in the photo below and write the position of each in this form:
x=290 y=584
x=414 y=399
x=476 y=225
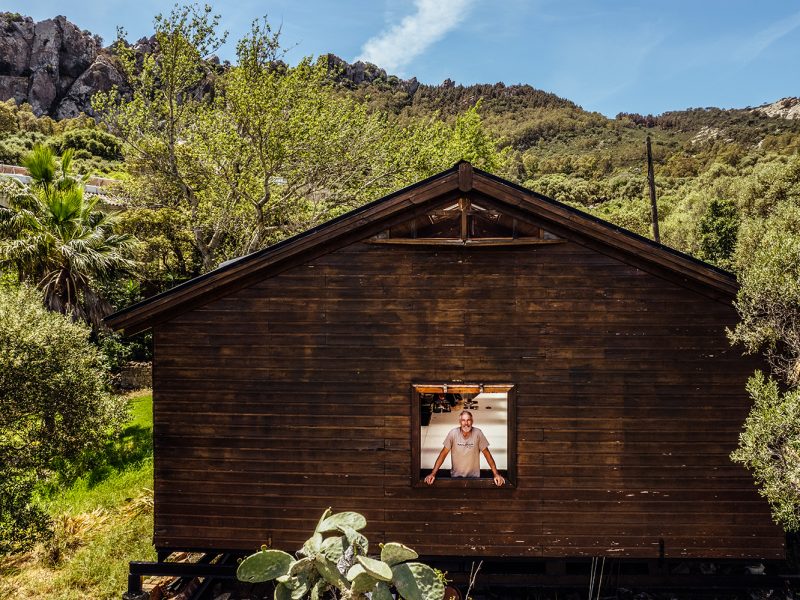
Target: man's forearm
x=439 y=460
x=490 y=460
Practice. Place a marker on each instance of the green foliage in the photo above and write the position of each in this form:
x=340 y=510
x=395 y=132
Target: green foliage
x=571 y=190
x=274 y=151
x=14 y=147
x=633 y=215
x=54 y=406
x=28 y=121
x=52 y=236
x=349 y=571
x=99 y=526
x=8 y=117
x=770 y=447
x=93 y=142
x=22 y=521
x=719 y=227
x=768 y=260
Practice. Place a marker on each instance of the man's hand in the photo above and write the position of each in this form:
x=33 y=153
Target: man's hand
x=430 y=479
x=499 y=479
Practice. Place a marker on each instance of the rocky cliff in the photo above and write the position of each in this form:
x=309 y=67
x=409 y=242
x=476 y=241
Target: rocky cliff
x=786 y=108
x=52 y=65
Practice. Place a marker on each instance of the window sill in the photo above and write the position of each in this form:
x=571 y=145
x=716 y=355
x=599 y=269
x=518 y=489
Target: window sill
x=445 y=481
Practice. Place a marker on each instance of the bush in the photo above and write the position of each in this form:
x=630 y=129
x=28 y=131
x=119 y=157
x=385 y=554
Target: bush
x=14 y=147
x=770 y=447
x=88 y=143
x=55 y=407
x=8 y=117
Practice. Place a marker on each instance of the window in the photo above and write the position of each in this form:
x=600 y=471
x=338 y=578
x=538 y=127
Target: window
x=436 y=410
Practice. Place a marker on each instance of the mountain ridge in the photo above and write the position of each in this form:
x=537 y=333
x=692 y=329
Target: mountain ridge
x=55 y=67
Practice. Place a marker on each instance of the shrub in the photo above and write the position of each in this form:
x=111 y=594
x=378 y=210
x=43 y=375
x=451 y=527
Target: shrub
x=88 y=143
x=55 y=407
x=770 y=447
x=14 y=147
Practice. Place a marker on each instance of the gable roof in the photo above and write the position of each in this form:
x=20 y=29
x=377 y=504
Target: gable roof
x=369 y=219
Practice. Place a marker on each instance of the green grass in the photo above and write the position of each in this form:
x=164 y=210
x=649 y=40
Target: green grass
x=102 y=521
x=121 y=472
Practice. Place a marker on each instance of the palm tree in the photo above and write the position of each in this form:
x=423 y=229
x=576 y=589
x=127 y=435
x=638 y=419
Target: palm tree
x=53 y=235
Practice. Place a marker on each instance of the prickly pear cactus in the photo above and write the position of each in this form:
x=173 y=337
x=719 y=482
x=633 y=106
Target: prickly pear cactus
x=334 y=547
x=382 y=592
x=330 y=572
x=264 y=566
x=343 y=519
x=415 y=581
x=394 y=553
x=377 y=569
x=282 y=592
x=312 y=545
x=335 y=557
x=359 y=543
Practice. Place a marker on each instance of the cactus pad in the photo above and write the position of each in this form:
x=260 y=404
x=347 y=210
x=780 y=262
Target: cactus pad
x=355 y=571
x=312 y=545
x=264 y=566
x=330 y=573
x=325 y=515
x=302 y=585
x=359 y=543
x=282 y=592
x=394 y=553
x=415 y=581
x=382 y=592
x=377 y=569
x=362 y=583
x=304 y=565
x=349 y=519
x=318 y=589
x=334 y=547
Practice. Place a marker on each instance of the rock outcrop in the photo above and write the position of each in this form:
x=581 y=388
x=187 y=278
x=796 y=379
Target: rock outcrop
x=52 y=65
x=364 y=73
x=786 y=108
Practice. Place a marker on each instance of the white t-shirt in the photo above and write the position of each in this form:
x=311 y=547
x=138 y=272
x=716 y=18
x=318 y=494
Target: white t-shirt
x=465 y=452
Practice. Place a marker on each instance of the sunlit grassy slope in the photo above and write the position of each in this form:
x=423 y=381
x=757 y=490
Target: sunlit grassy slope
x=101 y=522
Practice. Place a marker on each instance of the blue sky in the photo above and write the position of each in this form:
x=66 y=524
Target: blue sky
x=606 y=55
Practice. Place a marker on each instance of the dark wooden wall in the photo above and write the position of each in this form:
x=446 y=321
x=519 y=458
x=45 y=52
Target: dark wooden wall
x=294 y=395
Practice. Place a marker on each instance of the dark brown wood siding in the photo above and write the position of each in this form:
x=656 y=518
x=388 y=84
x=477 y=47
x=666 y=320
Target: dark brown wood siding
x=293 y=395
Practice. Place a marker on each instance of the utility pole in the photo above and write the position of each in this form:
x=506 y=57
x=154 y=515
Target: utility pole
x=651 y=180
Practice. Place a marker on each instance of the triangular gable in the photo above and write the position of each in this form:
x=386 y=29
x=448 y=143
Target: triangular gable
x=471 y=207
x=465 y=222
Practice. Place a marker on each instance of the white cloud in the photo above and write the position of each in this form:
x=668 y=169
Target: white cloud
x=766 y=37
x=401 y=44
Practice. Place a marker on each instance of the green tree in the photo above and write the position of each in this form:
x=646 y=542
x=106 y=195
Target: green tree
x=54 y=407
x=274 y=150
x=53 y=236
x=719 y=227
x=8 y=117
x=770 y=447
x=767 y=258
x=768 y=263
x=162 y=115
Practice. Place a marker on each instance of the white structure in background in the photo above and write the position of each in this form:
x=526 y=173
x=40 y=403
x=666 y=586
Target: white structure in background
x=94 y=185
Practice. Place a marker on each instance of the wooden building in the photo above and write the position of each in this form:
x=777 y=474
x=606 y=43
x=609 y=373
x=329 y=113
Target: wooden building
x=291 y=379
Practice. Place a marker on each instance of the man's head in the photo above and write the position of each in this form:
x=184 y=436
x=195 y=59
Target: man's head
x=465 y=421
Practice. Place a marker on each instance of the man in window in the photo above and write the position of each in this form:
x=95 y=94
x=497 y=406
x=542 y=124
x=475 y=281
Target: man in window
x=466 y=443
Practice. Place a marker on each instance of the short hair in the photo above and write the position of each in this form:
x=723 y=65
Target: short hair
x=465 y=412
